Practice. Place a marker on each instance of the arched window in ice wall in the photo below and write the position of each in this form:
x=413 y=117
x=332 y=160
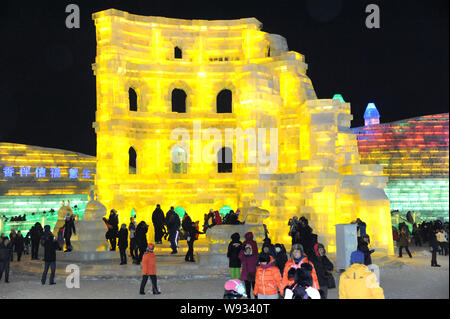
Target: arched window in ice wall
x=132 y=157
x=178 y=101
x=179 y=160
x=225 y=160
x=224 y=101
x=132 y=97
x=178 y=54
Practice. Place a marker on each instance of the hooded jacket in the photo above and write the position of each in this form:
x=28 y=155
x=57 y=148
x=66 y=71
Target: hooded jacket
x=268 y=280
x=248 y=262
x=149 y=262
x=140 y=235
x=322 y=265
x=358 y=282
x=234 y=247
x=249 y=240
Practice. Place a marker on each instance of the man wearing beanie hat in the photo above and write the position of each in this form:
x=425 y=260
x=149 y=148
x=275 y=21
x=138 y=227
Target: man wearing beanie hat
x=358 y=282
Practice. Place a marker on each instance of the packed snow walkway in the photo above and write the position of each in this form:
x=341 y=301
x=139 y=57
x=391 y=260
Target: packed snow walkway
x=414 y=279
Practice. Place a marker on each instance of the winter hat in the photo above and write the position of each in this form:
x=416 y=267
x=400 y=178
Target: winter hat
x=307 y=266
x=316 y=248
x=303 y=277
x=296 y=247
x=249 y=236
x=264 y=258
x=235 y=237
x=291 y=273
x=357 y=257
x=235 y=285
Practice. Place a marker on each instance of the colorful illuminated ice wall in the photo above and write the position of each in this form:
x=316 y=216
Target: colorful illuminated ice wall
x=159 y=76
x=36 y=179
x=414 y=155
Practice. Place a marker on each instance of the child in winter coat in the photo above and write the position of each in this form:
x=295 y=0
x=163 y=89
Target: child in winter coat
x=234 y=248
x=248 y=259
x=268 y=279
x=149 y=269
x=123 y=244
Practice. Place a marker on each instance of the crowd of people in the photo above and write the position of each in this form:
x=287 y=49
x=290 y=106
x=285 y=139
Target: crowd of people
x=435 y=233
x=270 y=273
x=306 y=273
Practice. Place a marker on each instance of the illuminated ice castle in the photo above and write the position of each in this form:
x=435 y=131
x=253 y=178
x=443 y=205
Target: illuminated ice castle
x=156 y=76
x=414 y=155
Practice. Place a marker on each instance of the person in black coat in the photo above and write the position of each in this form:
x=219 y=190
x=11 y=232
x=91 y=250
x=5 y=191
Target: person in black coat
x=173 y=226
x=123 y=244
x=69 y=228
x=141 y=240
x=363 y=246
x=192 y=233
x=133 y=246
x=113 y=229
x=20 y=244
x=158 y=224
x=12 y=242
x=5 y=256
x=234 y=247
x=434 y=245
x=280 y=257
x=50 y=247
x=36 y=234
x=322 y=265
x=306 y=236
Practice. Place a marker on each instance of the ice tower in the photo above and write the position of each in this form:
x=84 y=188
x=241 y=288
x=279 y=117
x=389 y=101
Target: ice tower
x=160 y=76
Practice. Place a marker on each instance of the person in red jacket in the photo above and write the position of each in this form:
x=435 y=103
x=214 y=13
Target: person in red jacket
x=298 y=257
x=149 y=269
x=268 y=279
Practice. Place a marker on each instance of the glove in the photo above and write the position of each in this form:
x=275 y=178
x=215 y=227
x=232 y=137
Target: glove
x=371 y=251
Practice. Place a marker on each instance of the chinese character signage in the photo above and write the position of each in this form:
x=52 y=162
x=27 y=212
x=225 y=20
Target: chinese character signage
x=43 y=172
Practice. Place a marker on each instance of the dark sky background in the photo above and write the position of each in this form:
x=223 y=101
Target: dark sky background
x=47 y=87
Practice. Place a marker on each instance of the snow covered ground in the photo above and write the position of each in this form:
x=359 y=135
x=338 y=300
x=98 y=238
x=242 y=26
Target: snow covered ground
x=415 y=279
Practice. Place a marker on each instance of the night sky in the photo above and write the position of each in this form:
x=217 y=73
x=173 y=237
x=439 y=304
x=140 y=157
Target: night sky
x=47 y=87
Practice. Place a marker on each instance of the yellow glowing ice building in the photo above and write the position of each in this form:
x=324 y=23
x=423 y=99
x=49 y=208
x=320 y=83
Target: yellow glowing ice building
x=162 y=83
